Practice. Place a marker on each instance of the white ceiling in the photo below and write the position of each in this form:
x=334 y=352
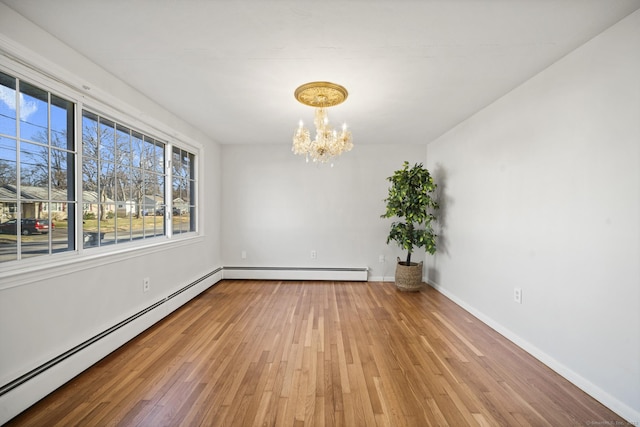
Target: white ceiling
x=413 y=69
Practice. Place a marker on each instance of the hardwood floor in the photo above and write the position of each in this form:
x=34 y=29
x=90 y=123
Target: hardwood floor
x=268 y=353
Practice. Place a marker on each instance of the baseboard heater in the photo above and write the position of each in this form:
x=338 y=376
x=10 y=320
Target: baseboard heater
x=296 y=273
x=67 y=354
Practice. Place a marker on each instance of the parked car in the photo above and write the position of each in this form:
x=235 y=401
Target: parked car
x=28 y=226
x=175 y=211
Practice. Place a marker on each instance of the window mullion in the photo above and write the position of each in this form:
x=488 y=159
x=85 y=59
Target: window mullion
x=18 y=172
x=168 y=210
x=49 y=185
x=79 y=187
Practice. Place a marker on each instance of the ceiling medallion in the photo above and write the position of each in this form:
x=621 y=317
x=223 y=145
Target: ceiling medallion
x=328 y=143
x=321 y=94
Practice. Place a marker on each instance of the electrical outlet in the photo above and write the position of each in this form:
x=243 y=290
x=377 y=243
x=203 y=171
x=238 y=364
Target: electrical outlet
x=381 y=258
x=314 y=255
x=517 y=295
x=243 y=254
x=146 y=284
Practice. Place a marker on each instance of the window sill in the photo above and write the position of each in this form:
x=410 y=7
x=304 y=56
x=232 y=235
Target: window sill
x=63 y=264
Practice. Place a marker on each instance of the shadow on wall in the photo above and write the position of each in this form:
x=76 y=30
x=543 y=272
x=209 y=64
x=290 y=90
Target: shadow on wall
x=440 y=177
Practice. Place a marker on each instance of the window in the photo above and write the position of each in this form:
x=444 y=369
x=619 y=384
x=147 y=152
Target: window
x=123 y=182
x=37 y=157
x=132 y=186
x=183 y=189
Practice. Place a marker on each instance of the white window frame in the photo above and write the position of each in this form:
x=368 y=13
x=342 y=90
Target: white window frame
x=70 y=87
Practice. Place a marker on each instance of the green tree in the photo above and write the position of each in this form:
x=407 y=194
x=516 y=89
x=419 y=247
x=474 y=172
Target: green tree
x=411 y=200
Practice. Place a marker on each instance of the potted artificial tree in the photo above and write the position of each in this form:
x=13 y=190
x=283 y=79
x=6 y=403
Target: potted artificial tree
x=411 y=200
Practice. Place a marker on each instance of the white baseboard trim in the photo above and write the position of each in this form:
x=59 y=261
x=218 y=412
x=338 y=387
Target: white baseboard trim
x=23 y=392
x=620 y=408
x=358 y=274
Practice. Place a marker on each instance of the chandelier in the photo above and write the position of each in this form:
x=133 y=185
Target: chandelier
x=328 y=143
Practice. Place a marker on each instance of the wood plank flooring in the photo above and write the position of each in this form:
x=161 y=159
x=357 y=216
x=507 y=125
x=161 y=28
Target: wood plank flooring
x=269 y=353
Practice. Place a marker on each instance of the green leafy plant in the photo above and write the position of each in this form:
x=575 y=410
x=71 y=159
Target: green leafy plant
x=411 y=200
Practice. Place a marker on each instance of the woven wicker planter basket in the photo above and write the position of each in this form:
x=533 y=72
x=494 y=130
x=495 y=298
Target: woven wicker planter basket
x=409 y=277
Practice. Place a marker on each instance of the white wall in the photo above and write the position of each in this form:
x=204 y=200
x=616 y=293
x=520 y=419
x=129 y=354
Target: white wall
x=278 y=208
x=46 y=312
x=541 y=191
